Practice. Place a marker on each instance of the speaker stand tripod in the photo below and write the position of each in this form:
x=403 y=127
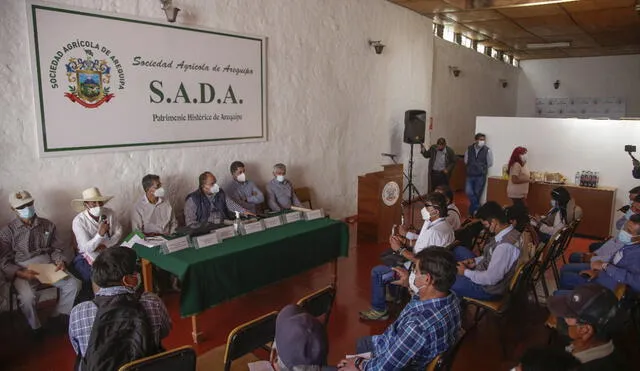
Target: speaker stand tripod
x=410 y=187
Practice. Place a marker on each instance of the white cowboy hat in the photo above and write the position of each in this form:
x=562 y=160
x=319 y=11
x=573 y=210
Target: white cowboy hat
x=89 y=194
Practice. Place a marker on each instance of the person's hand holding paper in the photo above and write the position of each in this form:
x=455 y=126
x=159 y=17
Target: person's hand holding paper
x=48 y=273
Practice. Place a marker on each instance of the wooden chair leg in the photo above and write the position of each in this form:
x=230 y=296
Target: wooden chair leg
x=543 y=280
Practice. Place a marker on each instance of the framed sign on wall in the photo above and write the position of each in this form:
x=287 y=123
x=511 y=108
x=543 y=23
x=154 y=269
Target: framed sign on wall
x=104 y=82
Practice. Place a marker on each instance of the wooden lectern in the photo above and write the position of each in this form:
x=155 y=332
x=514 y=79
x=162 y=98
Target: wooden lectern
x=379 y=199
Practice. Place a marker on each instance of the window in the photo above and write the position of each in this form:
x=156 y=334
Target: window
x=480 y=48
x=466 y=42
x=516 y=62
x=494 y=54
x=448 y=35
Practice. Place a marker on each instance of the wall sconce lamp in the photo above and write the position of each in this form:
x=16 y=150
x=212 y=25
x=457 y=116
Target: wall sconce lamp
x=377 y=46
x=556 y=84
x=169 y=10
x=504 y=83
x=455 y=71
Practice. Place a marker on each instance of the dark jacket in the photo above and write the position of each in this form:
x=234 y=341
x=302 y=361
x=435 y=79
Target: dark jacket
x=612 y=362
x=203 y=205
x=477 y=162
x=449 y=157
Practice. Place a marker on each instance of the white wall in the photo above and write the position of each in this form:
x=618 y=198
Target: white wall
x=615 y=76
x=567 y=146
x=333 y=104
x=457 y=101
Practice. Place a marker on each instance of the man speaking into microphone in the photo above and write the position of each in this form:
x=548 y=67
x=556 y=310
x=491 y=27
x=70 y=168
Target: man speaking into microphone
x=442 y=160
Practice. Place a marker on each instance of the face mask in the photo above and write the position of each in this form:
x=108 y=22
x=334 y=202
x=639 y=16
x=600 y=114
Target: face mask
x=481 y=143
x=159 y=192
x=96 y=211
x=412 y=283
x=554 y=203
x=215 y=188
x=523 y=157
x=628 y=214
x=280 y=178
x=26 y=212
x=241 y=178
x=625 y=237
x=425 y=213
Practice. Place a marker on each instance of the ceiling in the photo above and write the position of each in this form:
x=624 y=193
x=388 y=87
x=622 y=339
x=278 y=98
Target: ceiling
x=593 y=27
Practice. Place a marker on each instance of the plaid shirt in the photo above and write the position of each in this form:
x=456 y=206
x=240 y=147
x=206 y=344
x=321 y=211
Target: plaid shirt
x=20 y=242
x=83 y=315
x=423 y=330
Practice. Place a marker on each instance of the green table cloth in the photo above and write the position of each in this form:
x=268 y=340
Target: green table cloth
x=241 y=264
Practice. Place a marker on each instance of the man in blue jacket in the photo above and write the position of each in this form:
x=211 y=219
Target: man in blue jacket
x=623 y=267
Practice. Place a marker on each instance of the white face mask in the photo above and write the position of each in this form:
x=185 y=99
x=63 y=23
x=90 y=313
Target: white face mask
x=96 y=211
x=241 y=178
x=159 y=192
x=425 y=213
x=554 y=203
x=523 y=157
x=481 y=143
x=412 y=283
x=215 y=189
x=280 y=178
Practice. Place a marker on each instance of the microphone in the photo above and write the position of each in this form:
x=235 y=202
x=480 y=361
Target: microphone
x=103 y=219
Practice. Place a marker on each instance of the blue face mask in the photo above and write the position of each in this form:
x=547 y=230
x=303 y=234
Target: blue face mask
x=27 y=212
x=628 y=214
x=625 y=237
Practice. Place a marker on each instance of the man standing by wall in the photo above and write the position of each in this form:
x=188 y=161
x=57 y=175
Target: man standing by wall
x=478 y=159
x=442 y=160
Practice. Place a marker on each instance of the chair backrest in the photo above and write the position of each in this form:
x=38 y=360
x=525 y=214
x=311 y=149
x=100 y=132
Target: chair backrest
x=566 y=236
x=249 y=336
x=183 y=359
x=304 y=195
x=444 y=361
x=319 y=303
x=549 y=251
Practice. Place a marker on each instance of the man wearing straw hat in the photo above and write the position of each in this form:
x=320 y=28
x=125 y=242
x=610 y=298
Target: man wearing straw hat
x=95 y=227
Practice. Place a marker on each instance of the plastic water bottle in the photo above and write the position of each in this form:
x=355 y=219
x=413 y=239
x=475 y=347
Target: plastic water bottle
x=577 y=178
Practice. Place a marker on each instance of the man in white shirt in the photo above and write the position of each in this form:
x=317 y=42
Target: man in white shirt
x=435 y=232
x=95 y=228
x=487 y=277
x=153 y=214
x=453 y=215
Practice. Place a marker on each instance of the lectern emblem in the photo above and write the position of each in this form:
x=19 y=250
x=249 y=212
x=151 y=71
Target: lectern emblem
x=390 y=193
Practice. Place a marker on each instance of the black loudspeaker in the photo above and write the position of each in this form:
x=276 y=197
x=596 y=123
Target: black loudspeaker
x=415 y=124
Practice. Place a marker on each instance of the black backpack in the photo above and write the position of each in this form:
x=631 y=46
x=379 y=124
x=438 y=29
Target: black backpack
x=121 y=333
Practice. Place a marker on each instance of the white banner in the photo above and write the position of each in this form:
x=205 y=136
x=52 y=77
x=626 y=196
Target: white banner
x=105 y=82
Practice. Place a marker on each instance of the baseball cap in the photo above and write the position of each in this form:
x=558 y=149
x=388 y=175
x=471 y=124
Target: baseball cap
x=20 y=198
x=590 y=303
x=300 y=339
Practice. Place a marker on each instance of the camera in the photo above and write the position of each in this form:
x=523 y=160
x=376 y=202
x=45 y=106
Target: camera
x=629 y=148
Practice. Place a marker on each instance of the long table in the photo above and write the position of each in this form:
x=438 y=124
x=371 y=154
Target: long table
x=241 y=264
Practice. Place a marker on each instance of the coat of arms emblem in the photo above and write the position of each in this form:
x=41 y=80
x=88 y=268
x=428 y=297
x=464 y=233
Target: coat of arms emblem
x=89 y=81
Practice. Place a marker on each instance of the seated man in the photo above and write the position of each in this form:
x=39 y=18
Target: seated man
x=209 y=203
x=622 y=267
x=453 y=214
x=435 y=232
x=634 y=208
x=244 y=192
x=30 y=239
x=300 y=342
x=487 y=277
x=427 y=326
x=115 y=276
x=590 y=312
x=95 y=228
x=633 y=192
x=152 y=214
x=280 y=194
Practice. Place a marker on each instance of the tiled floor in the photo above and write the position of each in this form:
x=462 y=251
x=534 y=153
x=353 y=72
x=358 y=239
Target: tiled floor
x=480 y=351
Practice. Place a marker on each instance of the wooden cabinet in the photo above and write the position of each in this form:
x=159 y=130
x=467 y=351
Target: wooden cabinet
x=597 y=203
x=379 y=199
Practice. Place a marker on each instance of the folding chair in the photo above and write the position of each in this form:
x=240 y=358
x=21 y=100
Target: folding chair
x=183 y=359
x=319 y=303
x=444 y=361
x=241 y=343
x=544 y=263
x=304 y=195
x=517 y=288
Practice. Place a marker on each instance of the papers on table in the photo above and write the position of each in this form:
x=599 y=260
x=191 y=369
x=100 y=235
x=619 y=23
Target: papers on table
x=138 y=238
x=47 y=273
x=260 y=366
